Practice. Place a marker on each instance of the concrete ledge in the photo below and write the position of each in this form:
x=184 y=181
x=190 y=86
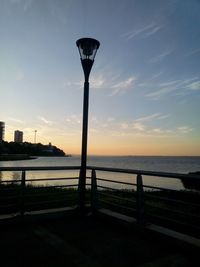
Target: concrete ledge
x=152 y=228
x=174 y=234
x=8 y=216
x=37 y=215
x=117 y=215
x=48 y=211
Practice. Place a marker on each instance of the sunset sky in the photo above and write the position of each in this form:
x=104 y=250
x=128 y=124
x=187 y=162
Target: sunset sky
x=144 y=85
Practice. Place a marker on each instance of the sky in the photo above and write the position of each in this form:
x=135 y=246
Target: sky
x=144 y=84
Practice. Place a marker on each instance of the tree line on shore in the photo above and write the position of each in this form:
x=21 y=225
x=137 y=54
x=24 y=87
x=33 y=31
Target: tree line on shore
x=30 y=149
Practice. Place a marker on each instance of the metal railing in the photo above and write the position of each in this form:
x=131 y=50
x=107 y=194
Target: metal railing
x=176 y=209
x=27 y=194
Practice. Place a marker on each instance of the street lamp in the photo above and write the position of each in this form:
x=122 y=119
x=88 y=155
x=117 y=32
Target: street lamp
x=87 y=48
x=35 y=136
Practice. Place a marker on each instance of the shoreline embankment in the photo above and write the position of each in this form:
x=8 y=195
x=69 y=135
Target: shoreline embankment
x=8 y=157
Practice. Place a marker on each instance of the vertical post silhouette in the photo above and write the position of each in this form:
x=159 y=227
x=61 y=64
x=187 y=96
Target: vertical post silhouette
x=87 y=49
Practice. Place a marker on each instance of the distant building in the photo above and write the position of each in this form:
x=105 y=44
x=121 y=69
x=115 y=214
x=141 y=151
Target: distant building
x=18 y=137
x=2 y=130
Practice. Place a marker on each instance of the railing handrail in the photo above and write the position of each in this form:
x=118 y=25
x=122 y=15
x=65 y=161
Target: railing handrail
x=142 y=172
x=106 y=169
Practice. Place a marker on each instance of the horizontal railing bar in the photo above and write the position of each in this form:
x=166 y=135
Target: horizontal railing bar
x=171 y=200
x=64 y=197
x=116 y=197
x=51 y=179
x=40 y=168
x=116 y=190
x=142 y=172
x=173 y=211
x=10 y=181
x=114 y=181
x=105 y=169
x=48 y=187
x=45 y=202
x=42 y=195
x=175 y=221
x=116 y=205
x=159 y=188
x=8 y=205
x=10 y=189
x=31 y=194
x=9 y=197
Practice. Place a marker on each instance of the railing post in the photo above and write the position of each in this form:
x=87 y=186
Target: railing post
x=140 y=201
x=79 y=189
x=23 y=184
x=94 y=193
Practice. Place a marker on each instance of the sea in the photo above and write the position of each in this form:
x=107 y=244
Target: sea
x=173 y=164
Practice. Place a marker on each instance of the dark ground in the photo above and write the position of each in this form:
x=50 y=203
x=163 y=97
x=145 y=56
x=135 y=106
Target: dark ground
x=88 y=242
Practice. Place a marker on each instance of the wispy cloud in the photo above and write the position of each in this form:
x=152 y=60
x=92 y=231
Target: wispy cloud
x=149 y=117
x=156 y=75
x=178 y=86
x=152 y=31
x=161 y=56
x=194 y=52
x=194 y=86
x=159 y=93
x=102 y=124
x=143 y=32
x=123 y=86
x=138 y=126
x=124 y=125
x=97 y=81
x=185 y=129
x=157 y=116
x=162 y=117
x=110 y=119
x=140 y=129
x=106 y=79
x=73 y=119
x=170 y=83
x=25 y=3
x=16 y=120
x=44 y=120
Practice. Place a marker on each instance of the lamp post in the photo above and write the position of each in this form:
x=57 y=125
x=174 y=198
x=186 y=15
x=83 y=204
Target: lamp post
x=87 y=48
x=35 y=136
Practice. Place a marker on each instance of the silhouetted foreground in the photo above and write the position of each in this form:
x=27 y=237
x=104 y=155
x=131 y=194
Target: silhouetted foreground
x=75 y=241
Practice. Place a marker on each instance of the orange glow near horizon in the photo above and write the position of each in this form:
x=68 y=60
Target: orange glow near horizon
x=115 y=148
x=120 y=145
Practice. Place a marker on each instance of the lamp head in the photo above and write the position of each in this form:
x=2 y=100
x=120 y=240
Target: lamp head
x=87 y=48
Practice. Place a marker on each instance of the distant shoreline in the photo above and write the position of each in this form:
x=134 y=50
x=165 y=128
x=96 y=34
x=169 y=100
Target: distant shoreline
x=13 y=157
x=9 y=157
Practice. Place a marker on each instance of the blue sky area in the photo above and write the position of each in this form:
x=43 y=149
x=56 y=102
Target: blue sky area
x=144 y=85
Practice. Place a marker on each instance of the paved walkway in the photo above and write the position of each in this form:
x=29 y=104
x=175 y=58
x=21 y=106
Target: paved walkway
x=87 y=242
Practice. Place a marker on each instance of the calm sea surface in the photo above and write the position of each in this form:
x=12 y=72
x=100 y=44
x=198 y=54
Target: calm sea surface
x=150 y=163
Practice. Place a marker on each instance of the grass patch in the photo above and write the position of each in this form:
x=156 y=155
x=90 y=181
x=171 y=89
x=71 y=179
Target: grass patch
x=35 y=197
